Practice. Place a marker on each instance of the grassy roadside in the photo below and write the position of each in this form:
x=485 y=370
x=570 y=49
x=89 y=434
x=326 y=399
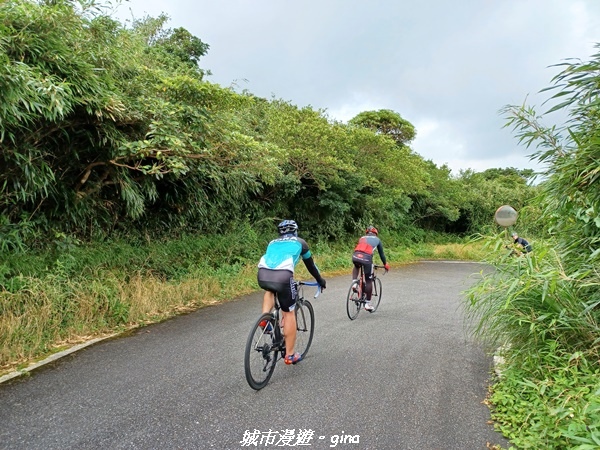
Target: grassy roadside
x=543 y=318
x=43 y=315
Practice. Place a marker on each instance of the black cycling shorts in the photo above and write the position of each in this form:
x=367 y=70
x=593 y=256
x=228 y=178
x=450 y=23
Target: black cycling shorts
x=280 y=282
x=365 y=260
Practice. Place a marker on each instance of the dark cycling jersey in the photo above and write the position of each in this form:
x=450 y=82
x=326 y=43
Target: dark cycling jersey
x=526 y=245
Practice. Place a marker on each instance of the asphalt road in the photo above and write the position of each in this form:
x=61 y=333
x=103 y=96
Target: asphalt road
x=405 y=377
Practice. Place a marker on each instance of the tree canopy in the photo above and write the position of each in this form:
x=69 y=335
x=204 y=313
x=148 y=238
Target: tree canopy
x=387 y=122
x=110 y=128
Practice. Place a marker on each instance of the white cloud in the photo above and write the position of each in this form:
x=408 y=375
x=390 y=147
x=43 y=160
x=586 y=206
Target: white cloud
x=452 y=64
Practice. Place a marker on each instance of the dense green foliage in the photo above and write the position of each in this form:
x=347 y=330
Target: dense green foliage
x=101 y=125
x=558 y=409
x=107 y=129
x=544 y=308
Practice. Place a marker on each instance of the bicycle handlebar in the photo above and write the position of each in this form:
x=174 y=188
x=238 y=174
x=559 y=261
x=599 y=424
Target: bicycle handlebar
x=312 y=283
x=379 y=267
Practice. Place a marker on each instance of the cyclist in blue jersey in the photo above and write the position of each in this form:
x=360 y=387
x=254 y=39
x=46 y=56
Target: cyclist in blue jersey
x=363 y=255
x=276 y=275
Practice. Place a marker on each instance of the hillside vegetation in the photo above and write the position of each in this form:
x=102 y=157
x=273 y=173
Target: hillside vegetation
x=543 y=311
x=112 y=130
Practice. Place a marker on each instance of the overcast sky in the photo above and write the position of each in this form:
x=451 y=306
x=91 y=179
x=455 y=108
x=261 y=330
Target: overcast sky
x=447 y=67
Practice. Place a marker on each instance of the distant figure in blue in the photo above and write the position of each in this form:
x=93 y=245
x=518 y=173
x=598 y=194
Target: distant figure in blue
x=521 y=243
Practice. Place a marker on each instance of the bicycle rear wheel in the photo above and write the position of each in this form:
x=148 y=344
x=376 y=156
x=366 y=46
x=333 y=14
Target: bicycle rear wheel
x=305 y=326
x=376 y=296
x=353 y=303
x=261 y=353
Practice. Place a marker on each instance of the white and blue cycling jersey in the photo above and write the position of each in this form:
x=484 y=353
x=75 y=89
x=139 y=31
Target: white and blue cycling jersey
x=284 y=253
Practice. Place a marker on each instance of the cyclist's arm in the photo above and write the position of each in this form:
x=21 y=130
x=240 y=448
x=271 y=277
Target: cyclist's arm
x=312 y=267
x=381 y=254
x=309 y=262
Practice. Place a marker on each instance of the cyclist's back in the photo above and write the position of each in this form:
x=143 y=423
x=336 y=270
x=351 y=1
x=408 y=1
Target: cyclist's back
x=284 y=253
x=367 y=245
x=363 y=256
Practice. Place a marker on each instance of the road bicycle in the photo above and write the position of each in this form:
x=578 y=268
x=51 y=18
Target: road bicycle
x=357 y=297
x=266 y=343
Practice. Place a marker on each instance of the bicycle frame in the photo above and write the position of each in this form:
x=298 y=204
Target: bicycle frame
x=279 y=338
x=357 y=298
x=299 y=295
x=266 y=344
x=363 y=281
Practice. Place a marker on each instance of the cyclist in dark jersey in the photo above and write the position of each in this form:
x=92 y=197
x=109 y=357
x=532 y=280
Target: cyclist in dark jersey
x=363 y=255
x=276 y=275
x=522 y=243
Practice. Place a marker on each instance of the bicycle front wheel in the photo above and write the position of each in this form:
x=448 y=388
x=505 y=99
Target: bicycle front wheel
x=305 y=326
x=261 y=352
x=352 y=303
x=376 y=296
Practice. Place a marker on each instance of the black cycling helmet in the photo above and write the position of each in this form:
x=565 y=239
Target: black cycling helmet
x=372 y=230
x=288 y=227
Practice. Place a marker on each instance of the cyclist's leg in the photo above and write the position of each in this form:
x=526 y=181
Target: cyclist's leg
x=358 y=259
x=368 y=269
x=266 y=279
x=268 y=302
x=289 y=331
x=287 y=301
x=355 y=267
x=368 y=279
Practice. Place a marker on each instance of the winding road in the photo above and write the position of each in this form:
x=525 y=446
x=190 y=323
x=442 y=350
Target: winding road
x=405 y=377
